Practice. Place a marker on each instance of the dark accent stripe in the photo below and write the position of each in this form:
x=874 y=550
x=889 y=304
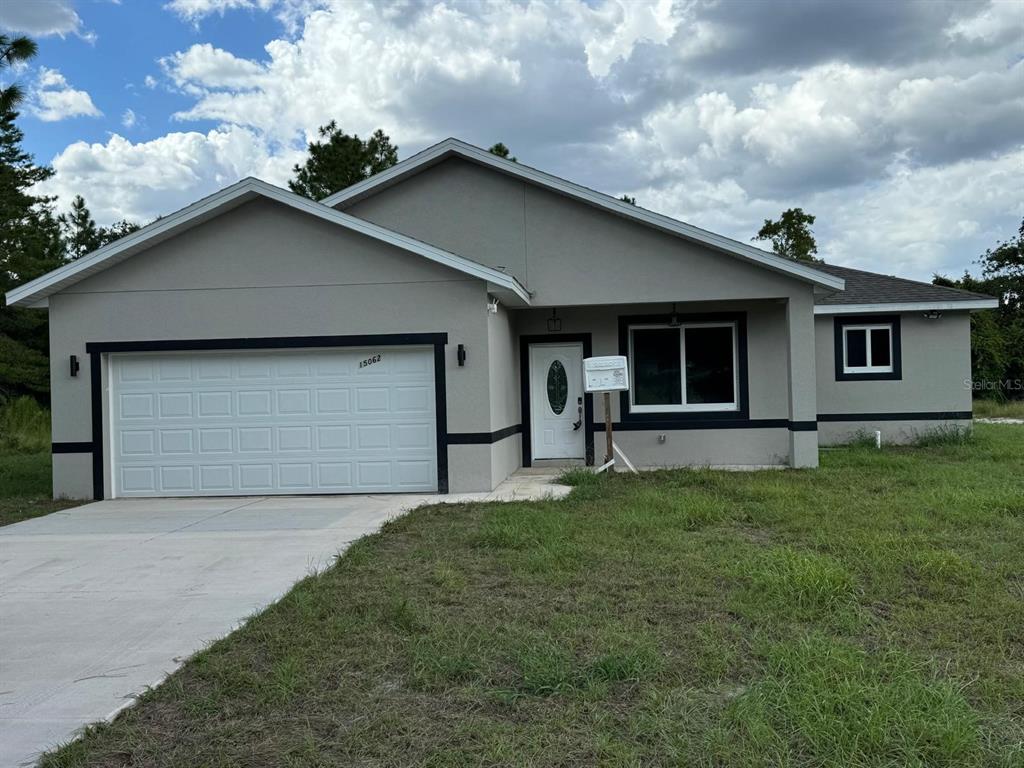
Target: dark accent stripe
x=803 y=426
x=907 y=416
x=270 y=342
x=440 y=409
x=483 y=438
x=438 y=340
x=85 y=447
x=667 y=426
x=96 y=386
x=524 y=390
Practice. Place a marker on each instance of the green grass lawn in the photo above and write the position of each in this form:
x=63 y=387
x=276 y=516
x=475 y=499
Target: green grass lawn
x=25 y=487
x=870 y=613
x=1011 y=409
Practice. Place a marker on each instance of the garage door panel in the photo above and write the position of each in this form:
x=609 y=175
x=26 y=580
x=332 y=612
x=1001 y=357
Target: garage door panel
x=262 y=422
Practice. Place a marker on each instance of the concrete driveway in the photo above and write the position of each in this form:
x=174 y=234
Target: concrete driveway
x=100 y=601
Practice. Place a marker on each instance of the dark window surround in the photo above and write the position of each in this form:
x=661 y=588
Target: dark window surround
x=96 y=349
x=524 y=390
x=841 y=321
x=667 y=418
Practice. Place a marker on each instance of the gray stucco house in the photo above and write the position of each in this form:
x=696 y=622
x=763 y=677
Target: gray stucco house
x=424 y=330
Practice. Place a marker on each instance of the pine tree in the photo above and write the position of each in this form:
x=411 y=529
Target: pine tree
x=81 y=235
x=30 y=245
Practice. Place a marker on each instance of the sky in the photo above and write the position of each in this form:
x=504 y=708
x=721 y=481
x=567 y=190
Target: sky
x=899 y=125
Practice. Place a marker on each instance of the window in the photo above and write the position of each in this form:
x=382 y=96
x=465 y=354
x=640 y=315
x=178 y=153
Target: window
x=690 y=367
x=867 y=348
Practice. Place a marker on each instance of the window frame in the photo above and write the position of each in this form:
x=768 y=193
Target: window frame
x=869 y=372
x=667 y=415
x=684 y=407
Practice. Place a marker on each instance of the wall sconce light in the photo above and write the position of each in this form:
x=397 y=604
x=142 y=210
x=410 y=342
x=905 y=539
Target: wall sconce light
x=932 y=314
x=492 y=305
x=74 y=365
x=554 y=322
x=460 y=355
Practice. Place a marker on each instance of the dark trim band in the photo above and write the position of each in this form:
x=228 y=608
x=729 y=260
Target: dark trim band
x=680 y=419
x=85 y=447
x=524 y=390
x=907 y=416
x=668 y=426
x=483 y=438
x=437 y=340
x=270 y=342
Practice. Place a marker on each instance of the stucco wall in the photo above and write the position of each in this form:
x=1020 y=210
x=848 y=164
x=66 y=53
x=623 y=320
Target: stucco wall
x=265 y=270
x=936 y=364
x=767 y=378
x=503 y=360
x=566 y=252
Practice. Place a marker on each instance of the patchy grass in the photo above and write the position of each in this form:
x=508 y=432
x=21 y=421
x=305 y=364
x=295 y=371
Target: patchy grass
x=870 y=613
x=24 y=426
x=1006 y=409
x=25 y=487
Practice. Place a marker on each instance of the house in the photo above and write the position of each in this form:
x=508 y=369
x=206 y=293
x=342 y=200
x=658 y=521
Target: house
x=424 y=330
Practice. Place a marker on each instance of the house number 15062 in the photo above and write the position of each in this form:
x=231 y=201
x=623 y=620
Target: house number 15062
x=369 y=361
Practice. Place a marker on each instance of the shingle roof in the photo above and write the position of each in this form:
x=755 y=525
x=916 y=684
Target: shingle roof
x=872 y=288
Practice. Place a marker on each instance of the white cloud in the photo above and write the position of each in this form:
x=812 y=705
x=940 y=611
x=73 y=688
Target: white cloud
x=128 y=118
x=140 y=181
x=42 y=18
x=53 y=99
x=898 y=125
x=195 y=10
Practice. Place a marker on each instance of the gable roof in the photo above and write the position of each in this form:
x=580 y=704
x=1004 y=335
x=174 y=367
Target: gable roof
x=34 y=293
x=871 y=292
x=455 y=148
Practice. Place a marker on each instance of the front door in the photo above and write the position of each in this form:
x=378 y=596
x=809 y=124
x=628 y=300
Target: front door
x=556 y=401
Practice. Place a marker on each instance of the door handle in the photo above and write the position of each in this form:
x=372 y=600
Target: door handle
x=579 y=422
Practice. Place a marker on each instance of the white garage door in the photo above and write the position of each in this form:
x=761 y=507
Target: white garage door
x=273 y=422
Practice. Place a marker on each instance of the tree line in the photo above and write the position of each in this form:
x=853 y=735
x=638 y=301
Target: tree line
x=35 y=240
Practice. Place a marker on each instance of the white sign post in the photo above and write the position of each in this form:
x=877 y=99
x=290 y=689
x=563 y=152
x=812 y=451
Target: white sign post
x=606 y=375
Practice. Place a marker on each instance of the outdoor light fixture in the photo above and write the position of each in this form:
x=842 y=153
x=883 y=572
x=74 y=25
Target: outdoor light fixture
x=74 y=365
x=554 y=322
x=460 y=355
x=674 y=321
x=932 y=314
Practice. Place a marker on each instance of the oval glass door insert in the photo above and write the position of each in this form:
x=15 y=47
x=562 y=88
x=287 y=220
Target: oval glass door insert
x=558 y=387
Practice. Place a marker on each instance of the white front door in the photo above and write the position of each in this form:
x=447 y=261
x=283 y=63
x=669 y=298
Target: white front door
x=556 y=401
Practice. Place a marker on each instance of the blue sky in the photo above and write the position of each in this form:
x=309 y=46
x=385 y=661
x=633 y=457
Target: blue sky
x=900 y=125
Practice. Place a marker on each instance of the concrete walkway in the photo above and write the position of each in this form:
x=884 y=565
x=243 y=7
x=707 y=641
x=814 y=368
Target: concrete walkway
x=99 y=601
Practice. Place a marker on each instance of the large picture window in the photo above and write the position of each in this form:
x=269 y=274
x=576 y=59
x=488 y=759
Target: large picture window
x=688 y=367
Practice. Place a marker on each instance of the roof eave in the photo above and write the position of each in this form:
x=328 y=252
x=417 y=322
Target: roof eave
x=454 y=147
x=36 y=291
x=962 y=305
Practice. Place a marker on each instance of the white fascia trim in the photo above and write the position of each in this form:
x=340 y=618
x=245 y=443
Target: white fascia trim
x=68 y=274
x=911 y=306
x=597 y=199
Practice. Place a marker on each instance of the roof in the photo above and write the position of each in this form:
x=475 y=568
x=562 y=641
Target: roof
x=868 y=292
x=455 y=148
x=35 y=292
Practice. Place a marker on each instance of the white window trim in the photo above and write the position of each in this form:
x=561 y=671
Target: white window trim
x=869 y=368
x=685 y=407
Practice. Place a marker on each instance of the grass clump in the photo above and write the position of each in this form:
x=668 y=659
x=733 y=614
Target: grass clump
x=942 y=436
x=804 y=582
x=24 y=426
x=827 y=703
x=987 y=408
